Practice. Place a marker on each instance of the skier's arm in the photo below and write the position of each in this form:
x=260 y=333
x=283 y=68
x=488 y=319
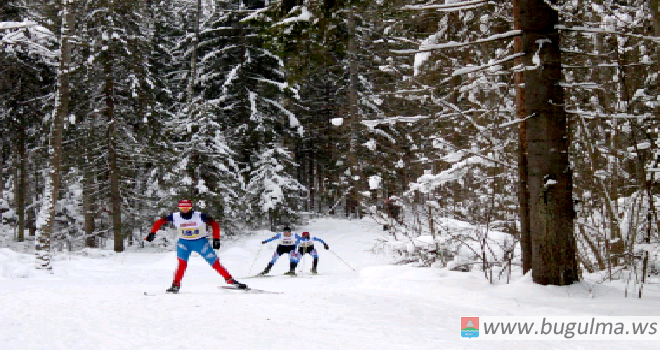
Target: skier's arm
x=214 y=225
x=160 y=222
x=318 y=240
x=325 y=245
x=277 y=236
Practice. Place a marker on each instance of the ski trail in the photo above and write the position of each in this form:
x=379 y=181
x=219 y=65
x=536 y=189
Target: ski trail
x=99 y=303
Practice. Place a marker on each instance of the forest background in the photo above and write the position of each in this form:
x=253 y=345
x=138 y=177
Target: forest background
x=270 y=113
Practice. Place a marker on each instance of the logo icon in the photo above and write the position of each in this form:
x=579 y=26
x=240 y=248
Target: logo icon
x=469 y=327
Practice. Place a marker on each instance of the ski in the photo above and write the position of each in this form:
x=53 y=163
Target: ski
x=250 y=290
x=153 y=294
x=258 y=276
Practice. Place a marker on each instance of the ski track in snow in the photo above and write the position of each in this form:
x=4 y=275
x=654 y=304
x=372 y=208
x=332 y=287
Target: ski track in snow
x=99 y=303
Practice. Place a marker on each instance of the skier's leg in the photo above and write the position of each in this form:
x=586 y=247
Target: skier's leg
x=295 y=256
x=293 y=261
x=272 y=261
x=276 y=256
x=183 y=251
x=221 y=270
x=267 y=269
x=206 y=251
x=228 y=279
x=292 y=268
x=178 y=273
x=315 y=263
x=203 y=247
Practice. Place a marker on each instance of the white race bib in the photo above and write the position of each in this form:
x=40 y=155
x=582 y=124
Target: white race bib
x=290 y=240
x=193 y=228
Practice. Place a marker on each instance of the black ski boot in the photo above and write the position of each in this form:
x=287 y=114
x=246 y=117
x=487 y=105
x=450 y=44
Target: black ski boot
x=174 y=289
x=267 y=269
x=314 y=264
x=236 y=283
x=292 y=269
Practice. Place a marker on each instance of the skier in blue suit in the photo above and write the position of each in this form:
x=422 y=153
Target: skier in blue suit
x=306 y=246
x=287 y=245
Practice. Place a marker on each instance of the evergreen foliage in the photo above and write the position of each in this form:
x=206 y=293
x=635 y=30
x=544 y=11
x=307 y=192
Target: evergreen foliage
x=262 y=111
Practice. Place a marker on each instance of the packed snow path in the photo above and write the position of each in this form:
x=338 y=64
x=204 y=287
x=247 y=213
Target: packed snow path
x=99 y=302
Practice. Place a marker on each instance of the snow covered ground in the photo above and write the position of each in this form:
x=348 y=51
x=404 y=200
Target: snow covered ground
x=98 y=302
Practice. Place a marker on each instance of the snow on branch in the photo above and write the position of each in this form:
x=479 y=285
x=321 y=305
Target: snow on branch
x=254 y=14
x=384 y=134
x=596 y=115
x=28 y=36
x=607 y=31
x=371 y=123
x=453 y=44
x=471 y=69
x=428 y=182
x=449 y=7
x=280 y=85
x=515 y=121
x=304 y=15
x=293 y=121
x=16 y=25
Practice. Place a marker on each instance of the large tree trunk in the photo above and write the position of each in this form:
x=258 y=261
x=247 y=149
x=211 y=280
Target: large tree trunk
x=655 y=13
x=648 y=184
x=46 y=219
x=352 y=199
x=113 y=167
x=521 y=113
x=190 y=95
x=2 y=173
x=193 y=59
x=550 y=181
x=655 y=10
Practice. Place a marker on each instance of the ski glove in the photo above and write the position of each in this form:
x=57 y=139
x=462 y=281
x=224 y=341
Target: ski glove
x=216 y=243
x=150 y=237
x=263 y=242
x=326 y=246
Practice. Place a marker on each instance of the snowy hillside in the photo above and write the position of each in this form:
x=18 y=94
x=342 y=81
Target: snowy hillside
x=97 y=301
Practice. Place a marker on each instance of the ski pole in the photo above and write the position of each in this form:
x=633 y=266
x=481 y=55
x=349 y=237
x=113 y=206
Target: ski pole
x=340 y=259
x=255 y=260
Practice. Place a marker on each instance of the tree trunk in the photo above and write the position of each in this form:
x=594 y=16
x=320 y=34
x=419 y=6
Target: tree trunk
x=352 y=197
x=554 y=258
x=34 y=211
x=193 y=58
x=88 y=206
x=2 y=173
x=521 y=114
x=655 y=15
x=46 y=219
x=655 y=11
x=312 y=182
x=113 y=167
x=21 y=190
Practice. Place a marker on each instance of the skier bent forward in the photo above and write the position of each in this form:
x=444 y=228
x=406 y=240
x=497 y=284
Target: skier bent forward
x=306 y=246
x=287 y=245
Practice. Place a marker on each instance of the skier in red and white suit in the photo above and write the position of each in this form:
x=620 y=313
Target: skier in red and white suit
x=191 y=226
